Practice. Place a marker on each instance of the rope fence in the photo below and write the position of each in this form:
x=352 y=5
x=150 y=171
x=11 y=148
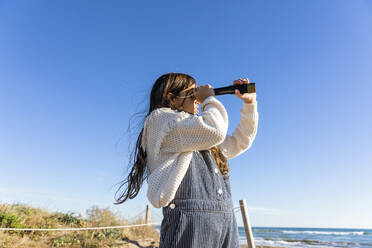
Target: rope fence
x=75 y=229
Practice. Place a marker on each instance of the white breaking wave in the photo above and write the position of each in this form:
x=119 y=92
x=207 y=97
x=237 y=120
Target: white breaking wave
x=324 y=232
x=281 y=243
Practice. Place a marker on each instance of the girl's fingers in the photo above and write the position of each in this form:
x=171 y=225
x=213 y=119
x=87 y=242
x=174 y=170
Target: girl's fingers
x=238 y=94
x=241 y=81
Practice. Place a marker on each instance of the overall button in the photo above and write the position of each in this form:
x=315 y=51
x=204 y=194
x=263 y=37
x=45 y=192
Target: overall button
x=215 y=170
x=172 y=206
x=219 y=191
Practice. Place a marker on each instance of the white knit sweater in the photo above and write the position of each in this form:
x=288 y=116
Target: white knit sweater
x=170 y=137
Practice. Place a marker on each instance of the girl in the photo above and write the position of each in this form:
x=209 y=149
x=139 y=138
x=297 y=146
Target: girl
x=184 y=156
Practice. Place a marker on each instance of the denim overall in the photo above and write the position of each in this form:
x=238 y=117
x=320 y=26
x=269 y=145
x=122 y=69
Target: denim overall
x=201 y=214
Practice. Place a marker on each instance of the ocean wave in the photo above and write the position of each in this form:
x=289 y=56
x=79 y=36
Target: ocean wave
x=266 y=230
x=312 y=232
x=281 y=243
x=303 y=243
x=325 y=233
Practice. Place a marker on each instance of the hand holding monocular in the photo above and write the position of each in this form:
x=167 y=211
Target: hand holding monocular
x=243 y=88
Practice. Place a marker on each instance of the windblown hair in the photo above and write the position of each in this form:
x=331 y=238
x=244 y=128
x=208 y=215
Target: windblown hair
x=164 y=90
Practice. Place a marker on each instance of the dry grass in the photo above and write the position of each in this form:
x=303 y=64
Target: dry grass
x=21 y=216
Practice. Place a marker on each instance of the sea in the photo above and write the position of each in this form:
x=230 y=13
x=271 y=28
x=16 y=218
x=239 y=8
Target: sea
x=308 y=237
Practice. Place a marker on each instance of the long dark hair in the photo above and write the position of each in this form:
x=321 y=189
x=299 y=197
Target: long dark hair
x=164 y=90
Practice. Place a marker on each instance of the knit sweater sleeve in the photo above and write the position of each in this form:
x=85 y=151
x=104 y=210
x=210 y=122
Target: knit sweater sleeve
x=244 y=134
x=192 y=132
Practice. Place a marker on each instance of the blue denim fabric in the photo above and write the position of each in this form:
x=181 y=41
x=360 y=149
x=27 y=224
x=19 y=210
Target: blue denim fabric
x=201 y=214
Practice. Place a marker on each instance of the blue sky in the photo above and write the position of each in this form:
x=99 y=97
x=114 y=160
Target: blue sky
x=73 y=73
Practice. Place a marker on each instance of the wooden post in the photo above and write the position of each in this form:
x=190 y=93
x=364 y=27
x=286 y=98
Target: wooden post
x=247 y=225
x=147 y=220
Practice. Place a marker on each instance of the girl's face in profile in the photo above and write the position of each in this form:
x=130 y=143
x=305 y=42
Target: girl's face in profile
x=190 y=104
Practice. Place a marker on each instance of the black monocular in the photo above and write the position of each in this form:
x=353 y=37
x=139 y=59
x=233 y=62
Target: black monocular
x=243 y=88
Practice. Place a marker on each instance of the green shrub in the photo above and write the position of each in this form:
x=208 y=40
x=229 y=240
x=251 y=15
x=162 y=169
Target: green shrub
x=69 y=219
x=10 y=220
